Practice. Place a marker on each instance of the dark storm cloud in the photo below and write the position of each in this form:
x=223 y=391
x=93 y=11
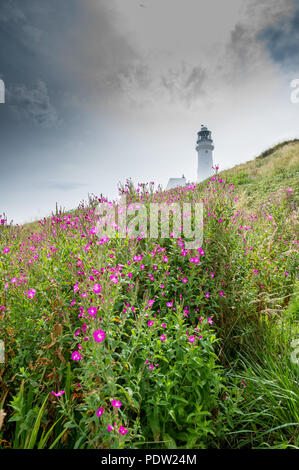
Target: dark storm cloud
x=184 y=83
x=282 y=41
x=260 y=37
x=68 y=49
x=138 y=82
x=242 y=53
x=32 y=104
x=23 y=67
x=134 y=75
x=10 y=12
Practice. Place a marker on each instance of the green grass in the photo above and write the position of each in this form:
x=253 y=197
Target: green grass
x=267 y=414
x=267 y=173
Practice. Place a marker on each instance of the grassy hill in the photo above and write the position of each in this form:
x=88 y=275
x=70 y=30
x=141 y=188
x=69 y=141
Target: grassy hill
x=274 y=168
x=122 y=341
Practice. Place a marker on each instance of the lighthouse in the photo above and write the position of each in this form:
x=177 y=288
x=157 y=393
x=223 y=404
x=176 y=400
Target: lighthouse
x=204 y=150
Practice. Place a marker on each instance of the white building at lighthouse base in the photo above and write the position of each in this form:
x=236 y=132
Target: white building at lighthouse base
x=175 y=182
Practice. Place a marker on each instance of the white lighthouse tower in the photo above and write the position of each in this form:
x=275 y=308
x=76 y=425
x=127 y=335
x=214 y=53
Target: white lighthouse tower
x=204 y=150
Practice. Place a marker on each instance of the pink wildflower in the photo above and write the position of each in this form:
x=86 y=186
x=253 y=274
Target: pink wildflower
x=116 y=403
x=92 y=311
x=114 y=279
x=58 y=394
x=122 y=430
x=76 y=356
x=30 y=293
x=97 y=288
x=99 y=335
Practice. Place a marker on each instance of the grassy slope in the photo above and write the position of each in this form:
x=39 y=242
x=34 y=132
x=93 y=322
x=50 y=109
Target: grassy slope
x=267 y=173
x=264 y=361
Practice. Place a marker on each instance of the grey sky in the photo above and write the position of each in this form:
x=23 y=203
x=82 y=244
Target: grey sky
x=101 y=90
